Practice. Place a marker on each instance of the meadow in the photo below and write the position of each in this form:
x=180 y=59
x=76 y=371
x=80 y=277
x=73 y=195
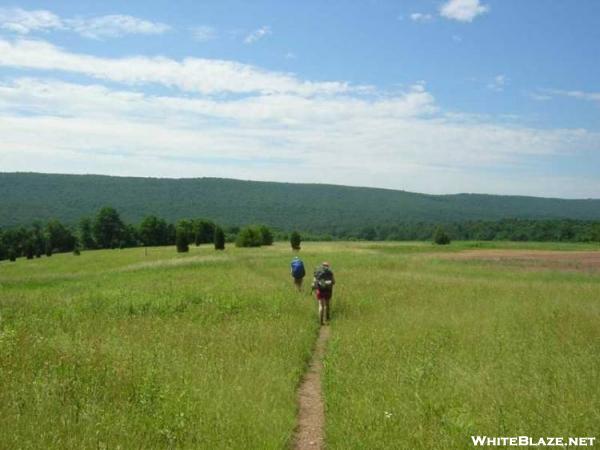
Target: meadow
x=133 y=349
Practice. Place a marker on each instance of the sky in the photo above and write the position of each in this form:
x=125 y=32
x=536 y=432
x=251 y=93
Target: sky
x=441 y=97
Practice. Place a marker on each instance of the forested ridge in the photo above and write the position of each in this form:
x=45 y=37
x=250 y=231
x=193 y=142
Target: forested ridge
x=323 y=209
x=44 y=214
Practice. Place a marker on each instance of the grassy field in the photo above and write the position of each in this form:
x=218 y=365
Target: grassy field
x=119 y=349
x=427 y=352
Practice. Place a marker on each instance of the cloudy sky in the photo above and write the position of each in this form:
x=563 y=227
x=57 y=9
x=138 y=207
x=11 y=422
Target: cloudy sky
x=492 y=96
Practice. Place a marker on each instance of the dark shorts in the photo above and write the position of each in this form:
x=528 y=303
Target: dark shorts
x=324 y=295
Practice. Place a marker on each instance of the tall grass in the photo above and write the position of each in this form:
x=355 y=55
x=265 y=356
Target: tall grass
x=118 y=350
x=427 y=353
x=122 y=349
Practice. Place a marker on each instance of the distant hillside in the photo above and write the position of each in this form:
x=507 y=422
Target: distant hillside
x=26 y=197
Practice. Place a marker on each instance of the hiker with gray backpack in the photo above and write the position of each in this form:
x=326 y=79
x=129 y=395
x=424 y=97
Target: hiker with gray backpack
x=323 y=282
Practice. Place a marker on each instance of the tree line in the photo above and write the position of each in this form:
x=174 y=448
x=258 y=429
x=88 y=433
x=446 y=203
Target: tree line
x=551 y=230
x=106 y=230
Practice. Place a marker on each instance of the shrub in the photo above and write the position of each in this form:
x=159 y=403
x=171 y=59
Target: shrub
x=295 y=240
x=249 y=237
x=219 y=239
x=266 y=236
x=440 y=237
x=182 y=236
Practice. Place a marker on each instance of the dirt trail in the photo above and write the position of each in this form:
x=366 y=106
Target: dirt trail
x=311 y=416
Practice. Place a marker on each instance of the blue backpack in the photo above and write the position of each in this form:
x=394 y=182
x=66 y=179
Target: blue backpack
x=298 y=269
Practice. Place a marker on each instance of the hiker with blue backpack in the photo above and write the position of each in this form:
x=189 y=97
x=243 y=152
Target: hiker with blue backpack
x=298 y=272
x=323 y=282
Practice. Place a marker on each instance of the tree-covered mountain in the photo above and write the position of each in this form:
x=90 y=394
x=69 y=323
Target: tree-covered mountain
x=27 y=197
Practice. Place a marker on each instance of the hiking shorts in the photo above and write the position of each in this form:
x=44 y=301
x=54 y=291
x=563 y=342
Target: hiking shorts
x=324 y=294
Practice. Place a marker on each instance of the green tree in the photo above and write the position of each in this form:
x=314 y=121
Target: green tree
x=153 y=231
x=266 y=236
x=595 y=232
x=182 y=236
x=108 y=228
x=14 y=240
x=295 y=240
x=203 y=231
x=171 y=234
x=29 y=248
x=368 y=234
x=39 y=241
x=48 y=249
x=440 y=237
x=60 y=237
x=129 y=237
x=219 y=238
x=86 y=236
x=249 y=237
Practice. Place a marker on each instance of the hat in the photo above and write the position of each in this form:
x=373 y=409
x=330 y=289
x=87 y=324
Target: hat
x=325 y=263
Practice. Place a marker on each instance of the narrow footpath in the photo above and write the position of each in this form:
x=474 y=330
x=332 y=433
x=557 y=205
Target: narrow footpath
x=310 y=431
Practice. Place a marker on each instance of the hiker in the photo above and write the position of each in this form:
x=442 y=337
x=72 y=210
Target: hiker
x=298 y=272
x=323 y=282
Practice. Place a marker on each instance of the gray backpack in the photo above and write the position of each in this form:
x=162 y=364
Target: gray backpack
x=324 y=278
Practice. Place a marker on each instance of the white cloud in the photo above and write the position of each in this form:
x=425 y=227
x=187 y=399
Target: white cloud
x=276 y=127
x=396 y=141
x=116 y=25
x=463 y=10
x=204 y=33
x=539 y=97
x=579 y=95
x=549 y=94
x=498 y=83
x=207 y=76
x=421 y=17
x=23 y=22
x=257 y=34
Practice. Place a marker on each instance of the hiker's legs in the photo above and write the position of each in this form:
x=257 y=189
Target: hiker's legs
x=298 y=283
x=327 y=304
x=321 y=310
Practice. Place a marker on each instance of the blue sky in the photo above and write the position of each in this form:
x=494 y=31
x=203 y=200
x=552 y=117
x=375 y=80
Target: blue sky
x=440 y=96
